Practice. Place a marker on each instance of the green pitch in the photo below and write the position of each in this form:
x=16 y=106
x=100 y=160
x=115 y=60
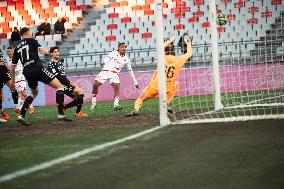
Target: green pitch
x=229 y=155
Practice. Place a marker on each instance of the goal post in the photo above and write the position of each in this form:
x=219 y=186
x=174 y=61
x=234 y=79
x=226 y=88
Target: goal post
x=164 y=120
x=215 y=59
x=237 y=70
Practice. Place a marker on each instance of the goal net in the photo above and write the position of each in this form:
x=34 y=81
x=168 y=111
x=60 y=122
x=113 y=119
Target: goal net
x=250 y=65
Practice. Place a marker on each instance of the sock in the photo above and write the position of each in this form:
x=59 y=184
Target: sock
x=94 y=100
x=80 y=101
x=26 y=105
x=71 y=104
x=15 y=97
x=116 y=101
x=60 y=101
x=1 y=103
x=138 y=104
x=20 y=102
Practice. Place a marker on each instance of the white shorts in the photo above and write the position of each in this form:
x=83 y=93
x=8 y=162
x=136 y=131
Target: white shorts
x=109 y=76
x=21 y=85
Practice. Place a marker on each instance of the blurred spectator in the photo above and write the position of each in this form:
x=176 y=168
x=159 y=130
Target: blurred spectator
x=16 y=36
x=182 y=43
x=44 y=28
x=59 y=26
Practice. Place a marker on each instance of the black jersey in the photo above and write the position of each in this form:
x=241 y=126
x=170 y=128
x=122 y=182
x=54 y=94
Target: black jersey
x=1 y=56
x=57 y=68
x=26 y=51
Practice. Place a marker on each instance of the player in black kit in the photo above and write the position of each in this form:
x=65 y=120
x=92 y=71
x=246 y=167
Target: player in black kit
x=27 y=51
x=56 y=67
x=5 y=78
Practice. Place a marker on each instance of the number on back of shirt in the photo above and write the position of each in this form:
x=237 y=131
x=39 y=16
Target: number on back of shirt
x=24 y=52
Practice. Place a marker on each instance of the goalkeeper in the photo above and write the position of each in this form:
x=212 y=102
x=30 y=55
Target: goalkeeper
x=173 y=65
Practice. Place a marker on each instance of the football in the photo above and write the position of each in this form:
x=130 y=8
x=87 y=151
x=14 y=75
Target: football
x=221 y=19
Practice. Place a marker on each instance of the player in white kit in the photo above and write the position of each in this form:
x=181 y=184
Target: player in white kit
x=112 y=66
x=20 y=80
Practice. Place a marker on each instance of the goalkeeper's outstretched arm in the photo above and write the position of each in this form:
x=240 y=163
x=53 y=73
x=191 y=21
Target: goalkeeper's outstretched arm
x=188 y=54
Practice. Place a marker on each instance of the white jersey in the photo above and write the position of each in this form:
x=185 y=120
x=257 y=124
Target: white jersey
x=114 y=62
x=19 y=76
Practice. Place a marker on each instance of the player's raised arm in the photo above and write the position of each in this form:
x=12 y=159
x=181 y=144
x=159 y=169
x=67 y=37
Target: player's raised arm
x=129 y=68
x=188 y=54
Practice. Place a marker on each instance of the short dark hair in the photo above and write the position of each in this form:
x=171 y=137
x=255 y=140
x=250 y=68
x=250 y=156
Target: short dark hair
x=52 y=49
x=9 y=48
x=121 y=43
x=24 y=30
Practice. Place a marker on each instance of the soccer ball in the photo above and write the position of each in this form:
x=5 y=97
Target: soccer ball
x=221 y=19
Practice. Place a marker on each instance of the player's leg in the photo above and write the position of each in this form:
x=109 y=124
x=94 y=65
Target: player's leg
x=27 y=102
x=54 y=83
x=21 y=87
x=171 y=94
x=97 y=84
x=3 y=113
x=69 y=92
x=145 y=95
x=115 y=83
x=116 y=88
x=14 y=96
x=79 y=93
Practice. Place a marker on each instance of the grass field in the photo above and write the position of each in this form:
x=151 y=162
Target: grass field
x=227 y=155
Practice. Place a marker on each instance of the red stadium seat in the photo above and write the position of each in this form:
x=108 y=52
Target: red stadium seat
x=252 y=21
x=3 y=35
x=267 y=14
x=226 y=1
x=149 y=1
x=198 y=13
x=133 y=30
x=165 y=5
x=123 y=3
x=115 y=4
x=206 y=24
x=125 y=20
x=220 y=29
x=276 y=2
x=112 y=26
x=198 y=3
x=83 y=7
x=179 y=15
x=145 y=7
x=110 y=38
x=113 y=15
x=136 y=8
x=239 y=4
x=193 y=19
x=253 y=9
x=148 y=12
x=146 y=35
x=179 y=27
x=231 y=17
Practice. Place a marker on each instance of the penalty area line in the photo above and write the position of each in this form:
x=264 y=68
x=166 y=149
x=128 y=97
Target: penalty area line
x=74 y=155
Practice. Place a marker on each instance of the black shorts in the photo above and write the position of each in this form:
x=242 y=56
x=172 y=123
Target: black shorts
x=36 y=73
x=4 y=75
x=68 y=90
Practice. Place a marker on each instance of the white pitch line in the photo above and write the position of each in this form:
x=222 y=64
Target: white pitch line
x=51 y=163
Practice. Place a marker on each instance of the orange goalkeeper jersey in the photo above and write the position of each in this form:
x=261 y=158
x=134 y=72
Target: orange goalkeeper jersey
x=173 y=66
